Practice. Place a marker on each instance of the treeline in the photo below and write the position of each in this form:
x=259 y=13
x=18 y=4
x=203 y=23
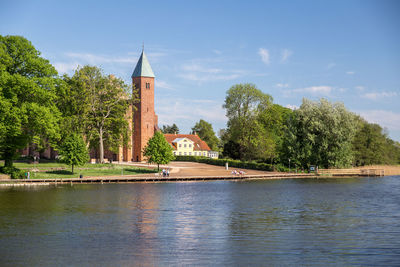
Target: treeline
x=318 y=133
x=71 y=114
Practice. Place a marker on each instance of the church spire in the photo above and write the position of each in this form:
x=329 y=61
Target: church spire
x=143 y=68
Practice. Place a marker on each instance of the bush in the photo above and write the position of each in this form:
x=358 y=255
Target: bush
x=231 y=163
x=15 y=173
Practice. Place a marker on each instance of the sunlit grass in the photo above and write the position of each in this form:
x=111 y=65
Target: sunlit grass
x=59 y=170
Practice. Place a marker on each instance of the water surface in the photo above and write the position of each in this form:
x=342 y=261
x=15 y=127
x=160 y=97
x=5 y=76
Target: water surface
x=259 y=223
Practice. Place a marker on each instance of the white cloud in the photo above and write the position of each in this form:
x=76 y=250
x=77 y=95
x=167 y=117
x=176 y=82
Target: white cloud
x=217 y=52
x=376 y=96
x=286 y=53
x=282 y=85
x=360 y=88
x=200 y=73
x=324 y=90
x=350 y=72
x=164 y=85
x=186 y=112
x=264 y=53
x=100 y=59
x=292 y=107
x=331 y=65
x=65 y=67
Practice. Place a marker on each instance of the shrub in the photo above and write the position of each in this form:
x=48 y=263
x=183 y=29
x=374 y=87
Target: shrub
x=15 y=173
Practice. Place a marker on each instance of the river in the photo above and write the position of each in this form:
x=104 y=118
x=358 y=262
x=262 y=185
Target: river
x=341 y=222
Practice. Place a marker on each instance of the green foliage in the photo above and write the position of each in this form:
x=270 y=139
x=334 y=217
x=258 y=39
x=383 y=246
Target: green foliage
x=158 y=150
x=372 y=146
x=27 y=94
x=244 y=103
x=15 y=173
x=320 y=133
x=96 y=105
x=205 y=131
x=73 y=151
x=167 y=129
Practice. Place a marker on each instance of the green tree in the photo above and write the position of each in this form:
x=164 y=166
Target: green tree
x=73 y=151
x=205 y=131
x=274 y=119
x=27 y=94
x=158 y=150
x=173 y=129
x=244 y=103
x=320 y=133
x=371 y=145
x=107 y=98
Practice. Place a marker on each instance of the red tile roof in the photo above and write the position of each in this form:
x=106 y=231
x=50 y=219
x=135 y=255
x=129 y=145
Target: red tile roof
x=198 y=143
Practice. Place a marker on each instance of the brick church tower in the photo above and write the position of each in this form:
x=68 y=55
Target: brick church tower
x=145 y=121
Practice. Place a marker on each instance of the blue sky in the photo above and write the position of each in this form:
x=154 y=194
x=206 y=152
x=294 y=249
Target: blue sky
x=346 y=51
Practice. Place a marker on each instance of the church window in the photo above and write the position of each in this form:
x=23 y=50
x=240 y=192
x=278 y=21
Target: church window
x=147 y=85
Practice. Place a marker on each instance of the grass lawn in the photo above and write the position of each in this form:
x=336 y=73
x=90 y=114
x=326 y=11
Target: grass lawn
x=60 y=170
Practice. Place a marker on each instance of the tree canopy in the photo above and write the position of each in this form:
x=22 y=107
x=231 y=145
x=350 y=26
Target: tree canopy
x=73 y=151
x=27 y=95
x=170 y=129
x=96 y=105
x=320 y=133
x=158 y=150
x=244 y=103
x=205 y=131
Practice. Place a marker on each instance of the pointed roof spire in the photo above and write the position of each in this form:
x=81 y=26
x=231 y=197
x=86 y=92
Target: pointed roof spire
x=143 y=68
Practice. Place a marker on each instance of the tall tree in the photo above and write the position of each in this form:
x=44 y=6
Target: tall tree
x=205 y=131
x=173 y=129
x=107 y=99
x=27 y=95
x=244 y=103
x=158 y=150
x=321 y=133
x=73 y=151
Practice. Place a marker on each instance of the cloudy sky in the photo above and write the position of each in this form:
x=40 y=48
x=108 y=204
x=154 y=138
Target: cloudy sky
x=347 y=51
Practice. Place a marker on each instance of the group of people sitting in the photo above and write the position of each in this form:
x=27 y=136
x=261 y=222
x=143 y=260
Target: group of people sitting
x=235 y=172
x=165 y=172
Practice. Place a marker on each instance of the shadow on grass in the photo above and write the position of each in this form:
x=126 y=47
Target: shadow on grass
x=139 y=170
x=63 y=172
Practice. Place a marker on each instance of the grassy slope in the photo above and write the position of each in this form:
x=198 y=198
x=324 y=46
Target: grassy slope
x=59 y=170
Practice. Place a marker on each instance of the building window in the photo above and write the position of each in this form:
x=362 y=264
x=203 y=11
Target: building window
x=204 y=153
x=190 y=145
x=174 y=152
x=190 y=153
x=147 y=85
x=180 y=153
x=185 y=145
x=195 y=153
x=185 y=153
x=180 y=145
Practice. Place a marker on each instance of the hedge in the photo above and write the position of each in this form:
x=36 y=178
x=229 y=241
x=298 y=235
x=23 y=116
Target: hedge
x=232 y=163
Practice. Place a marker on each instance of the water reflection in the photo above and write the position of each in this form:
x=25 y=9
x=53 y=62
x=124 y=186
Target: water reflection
x=334 y=221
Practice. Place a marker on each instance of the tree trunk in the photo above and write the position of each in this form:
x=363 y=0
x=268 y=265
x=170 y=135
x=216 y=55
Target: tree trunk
x=158 y=167
x=72 y=169
x=8 y=159
x=101 y=145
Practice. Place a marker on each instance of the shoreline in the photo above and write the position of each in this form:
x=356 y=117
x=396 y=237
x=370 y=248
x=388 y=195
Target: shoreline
x=157 y=179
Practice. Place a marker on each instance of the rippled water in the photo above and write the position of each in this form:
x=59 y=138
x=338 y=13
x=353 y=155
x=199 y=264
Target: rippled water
x=271 y=222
